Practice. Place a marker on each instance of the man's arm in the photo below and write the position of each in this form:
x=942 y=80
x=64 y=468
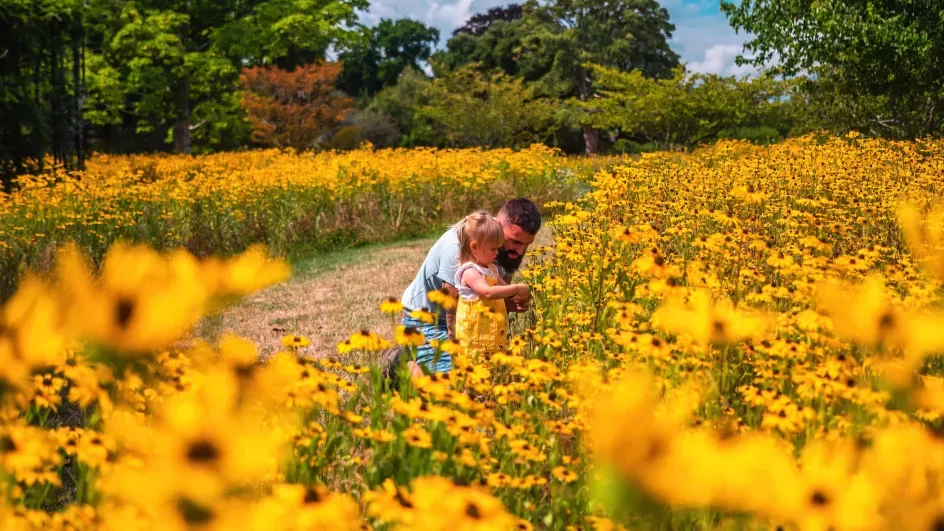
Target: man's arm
x=451 y=314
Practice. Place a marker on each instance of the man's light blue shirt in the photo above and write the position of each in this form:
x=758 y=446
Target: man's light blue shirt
x=440 y=266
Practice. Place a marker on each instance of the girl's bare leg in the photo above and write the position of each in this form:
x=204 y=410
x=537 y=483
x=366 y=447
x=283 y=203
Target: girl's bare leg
x=415 y=370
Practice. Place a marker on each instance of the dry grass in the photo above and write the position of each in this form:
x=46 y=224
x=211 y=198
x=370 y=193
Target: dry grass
x=329 y=298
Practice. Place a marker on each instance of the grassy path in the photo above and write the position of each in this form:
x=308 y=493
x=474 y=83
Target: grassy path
x=329 y=297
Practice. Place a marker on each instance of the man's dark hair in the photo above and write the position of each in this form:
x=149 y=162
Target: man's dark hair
x=523 y=213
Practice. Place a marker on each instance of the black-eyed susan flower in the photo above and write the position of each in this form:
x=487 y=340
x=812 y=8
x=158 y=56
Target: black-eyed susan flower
x=442 y=297
x=391 y=306
x=417 y=436
x=294 y=341
x=423 y=315
x=408 y=336
x=564 y=474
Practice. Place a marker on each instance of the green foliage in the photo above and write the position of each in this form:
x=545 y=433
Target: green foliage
x=41 y=87
x=285 y=33
x=105 y=96
x=378 y=129
x=492 y=110
x=401 y=102
x=345 y=138
x=889 y=50
x=497 y=48
x=552 y=42
x=377 y=59
x=685 y=110
x=177 y=63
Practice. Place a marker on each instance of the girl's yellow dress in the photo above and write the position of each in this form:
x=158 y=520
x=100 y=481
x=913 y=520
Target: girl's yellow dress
x=481 y=324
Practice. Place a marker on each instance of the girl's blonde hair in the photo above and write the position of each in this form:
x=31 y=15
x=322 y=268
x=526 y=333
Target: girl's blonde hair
x=478 y=227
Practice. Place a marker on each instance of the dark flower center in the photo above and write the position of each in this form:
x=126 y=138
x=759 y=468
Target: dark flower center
x=473 y=511
x=203 y=451
x=718 y=327
x=312 y=496
x=405 y=503
x=886 y=322
x=124 y=309
x=193 y=513
x=7 y=444
x=819 y=498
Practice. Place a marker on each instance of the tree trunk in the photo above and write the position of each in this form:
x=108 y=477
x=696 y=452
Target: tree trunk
x=591 y=139
x=78 y=87
x=182 y=125
x=929 y=123
x=182 y=98
x=55 y=92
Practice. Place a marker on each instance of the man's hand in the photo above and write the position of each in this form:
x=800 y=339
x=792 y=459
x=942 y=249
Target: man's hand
x=451 y=324
x=451 y=314
x=518 y=303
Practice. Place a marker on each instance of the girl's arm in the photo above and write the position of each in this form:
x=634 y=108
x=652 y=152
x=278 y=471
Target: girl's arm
x=476 y=282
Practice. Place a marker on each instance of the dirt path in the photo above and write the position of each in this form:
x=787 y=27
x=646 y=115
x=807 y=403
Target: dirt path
x=329 y=298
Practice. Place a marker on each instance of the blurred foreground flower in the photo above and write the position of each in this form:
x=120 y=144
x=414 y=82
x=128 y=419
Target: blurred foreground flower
x=709 y=321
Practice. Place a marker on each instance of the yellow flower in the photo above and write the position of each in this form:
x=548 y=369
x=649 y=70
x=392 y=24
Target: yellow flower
x=417 y=436
x=443 y=298
x=564 y=474
x=245 y=273
x=140 y=303
x=408 y=336
x=423 y=316
x=709 y=321
x=391 y=306
x=293 y=341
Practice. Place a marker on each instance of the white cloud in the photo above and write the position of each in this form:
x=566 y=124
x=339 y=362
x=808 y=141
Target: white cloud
x=454 y=14
x=719 y=59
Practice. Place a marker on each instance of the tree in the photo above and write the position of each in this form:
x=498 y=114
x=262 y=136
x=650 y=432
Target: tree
x=42 y=86
x=402 y=103
x=178 y=61
x=292 y=109
x=623 y=34
x=882 y=48
x=493 y=110
x=378 y=58
x=685 y=110
x=481 y=22
x=551 y=43
x=496 y=48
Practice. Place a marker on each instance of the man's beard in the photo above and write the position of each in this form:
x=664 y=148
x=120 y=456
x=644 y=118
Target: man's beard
x=508 y=263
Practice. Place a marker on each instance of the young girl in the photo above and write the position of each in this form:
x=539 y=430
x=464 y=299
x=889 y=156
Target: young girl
x=481 y=317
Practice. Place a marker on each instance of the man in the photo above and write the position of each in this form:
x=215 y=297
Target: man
x=520 y=221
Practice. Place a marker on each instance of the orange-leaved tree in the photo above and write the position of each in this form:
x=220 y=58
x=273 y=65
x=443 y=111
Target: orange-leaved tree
x=293 y=108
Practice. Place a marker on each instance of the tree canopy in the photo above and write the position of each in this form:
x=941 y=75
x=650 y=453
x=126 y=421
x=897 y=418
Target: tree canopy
x=382 y=53
x=886 y=48
x=551 y=44
x=481 y=22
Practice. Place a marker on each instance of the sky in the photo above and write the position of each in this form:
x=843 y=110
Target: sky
x=703 y=38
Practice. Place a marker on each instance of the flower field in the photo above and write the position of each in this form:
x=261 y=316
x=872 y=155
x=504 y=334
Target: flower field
x=296 y=204
x=741 y=338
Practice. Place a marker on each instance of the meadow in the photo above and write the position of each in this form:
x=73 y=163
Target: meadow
x=742 y=337
x=295 y=204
